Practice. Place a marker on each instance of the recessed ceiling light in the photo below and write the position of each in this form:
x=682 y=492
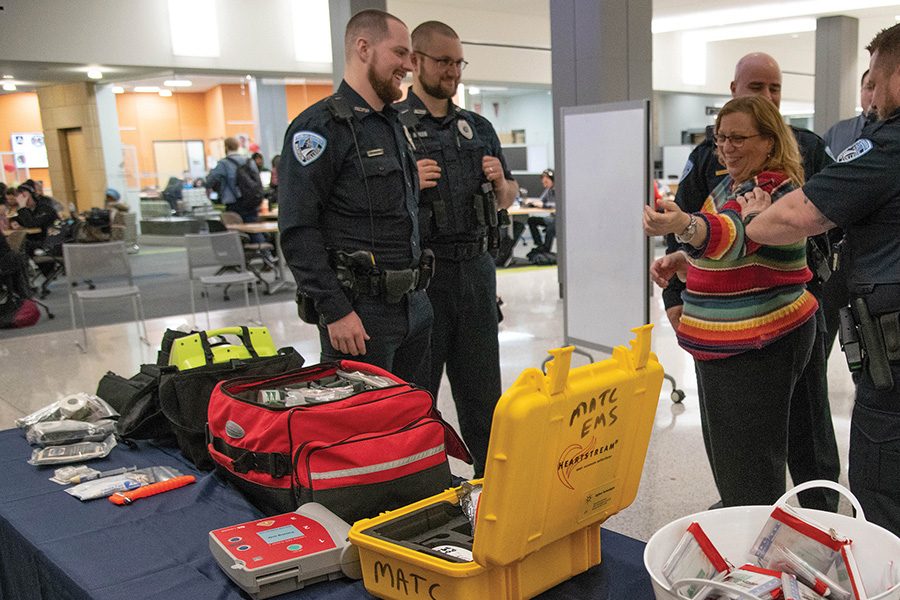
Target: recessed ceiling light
x=95 y=74
x=118 y=89
x=474 y=91
x=9 y=87
x=8 y=77
x=165 y=93
x=147 y=89
x=178 y=83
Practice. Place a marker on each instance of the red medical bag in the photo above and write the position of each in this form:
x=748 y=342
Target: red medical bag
x=372 y=451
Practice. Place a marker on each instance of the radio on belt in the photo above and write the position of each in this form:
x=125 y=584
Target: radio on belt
x=280 y=554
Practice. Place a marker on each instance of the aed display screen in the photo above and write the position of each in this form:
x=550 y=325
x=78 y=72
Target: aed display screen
x=280 y=534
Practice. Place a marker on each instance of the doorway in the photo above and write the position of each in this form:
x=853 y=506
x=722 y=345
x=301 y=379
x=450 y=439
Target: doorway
x=75 y=167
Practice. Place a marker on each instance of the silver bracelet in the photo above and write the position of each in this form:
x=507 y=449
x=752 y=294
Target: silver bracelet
x=687 y=235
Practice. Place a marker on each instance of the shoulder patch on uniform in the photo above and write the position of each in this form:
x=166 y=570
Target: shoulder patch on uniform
x=308 y=146
x=688 y=166
x=854 y=151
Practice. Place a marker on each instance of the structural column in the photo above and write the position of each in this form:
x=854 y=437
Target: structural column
x=341 y=11
x=271 y=105
x=837 y=80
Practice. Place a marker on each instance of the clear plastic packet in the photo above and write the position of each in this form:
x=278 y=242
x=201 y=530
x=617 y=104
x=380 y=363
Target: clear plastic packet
x=57 y=433
x=316 y=395
x=469 y=495
x=82 y=451
x=853 y=574
x=787 y=561
x=816 y=545
x=69 y=475
x=76 y=407
x=756 y=581
x=107 y=486
x=694 y=557
x=371 y=381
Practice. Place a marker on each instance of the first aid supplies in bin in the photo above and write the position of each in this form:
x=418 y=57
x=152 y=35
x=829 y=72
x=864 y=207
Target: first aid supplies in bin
x=280 y=554
x=566 y=452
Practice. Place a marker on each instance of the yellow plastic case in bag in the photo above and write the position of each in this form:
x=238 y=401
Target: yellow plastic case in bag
x=566 y=452
x=194 y=350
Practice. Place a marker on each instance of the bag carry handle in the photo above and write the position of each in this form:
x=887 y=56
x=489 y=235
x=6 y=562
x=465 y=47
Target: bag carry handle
x=824 y=483
x=719 y=585
x=243 y=332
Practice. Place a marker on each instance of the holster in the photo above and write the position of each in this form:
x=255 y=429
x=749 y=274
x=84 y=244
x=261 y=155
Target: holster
x=875 y=351
x=306 y=309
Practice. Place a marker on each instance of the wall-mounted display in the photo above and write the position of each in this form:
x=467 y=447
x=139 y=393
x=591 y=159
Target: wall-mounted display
x=29 y=150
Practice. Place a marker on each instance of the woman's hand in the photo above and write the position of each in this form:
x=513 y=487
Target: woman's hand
x=663 y=268
x=671 y=220
x=754 y=202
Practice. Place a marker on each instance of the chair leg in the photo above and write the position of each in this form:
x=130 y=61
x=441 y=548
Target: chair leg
x=193 y=304
x=139 y=318
x=83 y=325
x=206 y=297
x=74 y=323
x=258 y=306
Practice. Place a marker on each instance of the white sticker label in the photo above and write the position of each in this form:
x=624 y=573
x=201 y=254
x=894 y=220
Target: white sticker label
x=455 y=552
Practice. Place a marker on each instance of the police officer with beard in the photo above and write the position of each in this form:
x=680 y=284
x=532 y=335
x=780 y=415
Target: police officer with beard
x=860 y=193
x=348 y=210
x=464 y=180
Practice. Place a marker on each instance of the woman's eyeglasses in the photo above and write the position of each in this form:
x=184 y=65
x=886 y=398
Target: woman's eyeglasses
x=446 y=63
x=736 y=140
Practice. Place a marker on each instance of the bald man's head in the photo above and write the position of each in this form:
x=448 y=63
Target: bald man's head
x=757 y=74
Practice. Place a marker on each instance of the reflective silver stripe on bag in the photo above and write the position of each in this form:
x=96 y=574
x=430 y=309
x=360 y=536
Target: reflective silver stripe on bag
x=385 y=466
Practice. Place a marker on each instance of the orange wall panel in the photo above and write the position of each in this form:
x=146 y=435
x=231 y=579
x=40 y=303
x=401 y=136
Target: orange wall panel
x=299 y=97
x=21 y=112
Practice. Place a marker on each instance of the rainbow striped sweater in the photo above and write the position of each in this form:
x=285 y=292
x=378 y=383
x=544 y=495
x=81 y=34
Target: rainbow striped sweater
x=740 y=295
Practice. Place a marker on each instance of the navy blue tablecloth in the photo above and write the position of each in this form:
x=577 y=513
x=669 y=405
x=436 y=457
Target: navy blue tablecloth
x=55 y=547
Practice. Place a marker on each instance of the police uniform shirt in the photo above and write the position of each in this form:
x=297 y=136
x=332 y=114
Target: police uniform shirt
x=334 y=196
x=458 y=142
x=861 y=194
x=703 y=172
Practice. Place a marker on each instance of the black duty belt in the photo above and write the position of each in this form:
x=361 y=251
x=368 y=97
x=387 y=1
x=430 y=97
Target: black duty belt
x=460 y=251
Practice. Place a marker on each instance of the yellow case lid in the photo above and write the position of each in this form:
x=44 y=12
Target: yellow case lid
x=188 y=352
x=566 y=449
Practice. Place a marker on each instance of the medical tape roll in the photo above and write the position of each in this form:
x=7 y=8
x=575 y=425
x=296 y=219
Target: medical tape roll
x=74 y=407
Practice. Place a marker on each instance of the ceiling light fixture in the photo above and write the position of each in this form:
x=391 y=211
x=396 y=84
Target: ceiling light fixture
x=8 y=77
x=165 y=93
x=118 y=89
x=474 y=91
x=147 y=89
x=178 y=83
x=95 y=74
x=9 y=87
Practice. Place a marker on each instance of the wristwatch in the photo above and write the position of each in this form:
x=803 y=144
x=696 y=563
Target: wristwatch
x=687 y=234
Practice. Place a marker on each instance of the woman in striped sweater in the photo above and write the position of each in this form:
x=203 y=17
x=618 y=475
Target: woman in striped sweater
x=748 y=318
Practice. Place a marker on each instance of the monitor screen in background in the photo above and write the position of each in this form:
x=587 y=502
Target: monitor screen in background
x=265 y=177
x=516 y=157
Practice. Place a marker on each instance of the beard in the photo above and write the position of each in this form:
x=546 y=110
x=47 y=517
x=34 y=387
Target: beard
x=435 y=90
x=384 y=87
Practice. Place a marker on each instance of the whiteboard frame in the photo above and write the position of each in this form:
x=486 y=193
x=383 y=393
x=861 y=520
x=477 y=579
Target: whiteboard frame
x=624 y=305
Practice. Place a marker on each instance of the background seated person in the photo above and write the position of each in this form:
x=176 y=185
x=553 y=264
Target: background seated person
x=543 y=244
x=36 y=211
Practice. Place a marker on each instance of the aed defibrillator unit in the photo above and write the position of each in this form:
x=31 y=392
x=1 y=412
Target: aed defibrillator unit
x=280 y=554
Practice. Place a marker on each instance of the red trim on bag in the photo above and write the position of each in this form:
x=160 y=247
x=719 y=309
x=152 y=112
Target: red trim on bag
x=807 y=529
x=859 y=589
x=708 y=548
x=761 y=571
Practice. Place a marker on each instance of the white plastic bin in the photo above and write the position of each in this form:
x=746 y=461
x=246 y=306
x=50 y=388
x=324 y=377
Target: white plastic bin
x=733 y=531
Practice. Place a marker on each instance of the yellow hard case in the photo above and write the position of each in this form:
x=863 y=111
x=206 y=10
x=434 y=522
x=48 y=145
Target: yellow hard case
x=190 y=351
x=566 y=452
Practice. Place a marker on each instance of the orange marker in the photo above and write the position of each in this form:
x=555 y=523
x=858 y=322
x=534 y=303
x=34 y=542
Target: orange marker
x=121 y=498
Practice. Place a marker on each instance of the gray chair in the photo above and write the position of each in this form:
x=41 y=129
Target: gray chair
x=106 y=266
x=208 y=250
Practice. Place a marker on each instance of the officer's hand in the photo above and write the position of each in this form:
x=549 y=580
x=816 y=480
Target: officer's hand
x=492 y=168
x=754 y=202
x=671 y=220
x=348 y=335
x=663 y=268
x=429 y=173
x=674 y=313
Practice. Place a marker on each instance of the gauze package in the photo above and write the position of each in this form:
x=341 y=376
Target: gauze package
x=695 y=557
x=69 y=453
x=57 y=433
x=77 y=407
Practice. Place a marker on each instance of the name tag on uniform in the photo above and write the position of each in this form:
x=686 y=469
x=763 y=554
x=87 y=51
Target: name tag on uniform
x=420 y=134
x=375 y=152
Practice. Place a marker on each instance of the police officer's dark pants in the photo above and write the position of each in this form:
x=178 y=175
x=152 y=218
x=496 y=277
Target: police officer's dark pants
x=399 y=335
x=812 y=447
x=464 y=296
x=875 y=451
x=748 y=401
x=833 y=298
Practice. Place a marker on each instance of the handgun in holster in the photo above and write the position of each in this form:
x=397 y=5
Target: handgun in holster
x=875 y=355
x=349 y=267
x=306 y=309
x=819 y=263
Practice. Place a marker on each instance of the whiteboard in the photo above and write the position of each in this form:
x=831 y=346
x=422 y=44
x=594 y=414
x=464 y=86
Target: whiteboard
x=605 y=185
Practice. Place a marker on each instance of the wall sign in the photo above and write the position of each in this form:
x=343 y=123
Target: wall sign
x=29 y=150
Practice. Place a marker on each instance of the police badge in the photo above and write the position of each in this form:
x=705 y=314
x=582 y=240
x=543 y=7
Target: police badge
x=308 y=146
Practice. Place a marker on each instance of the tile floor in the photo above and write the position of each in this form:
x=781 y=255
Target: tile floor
x=676 y=479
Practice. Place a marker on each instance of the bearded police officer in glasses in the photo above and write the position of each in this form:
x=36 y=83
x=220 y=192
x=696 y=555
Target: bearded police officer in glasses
x=860 y=193
x=348 y=202
x=464 y=181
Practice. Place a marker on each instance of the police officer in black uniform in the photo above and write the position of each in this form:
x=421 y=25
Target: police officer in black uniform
x=861 y=195
x=464 y=180
x=348 y=215
x=812 y=447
